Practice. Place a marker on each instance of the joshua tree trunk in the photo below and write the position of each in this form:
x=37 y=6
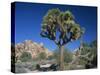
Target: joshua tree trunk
x=61 y=61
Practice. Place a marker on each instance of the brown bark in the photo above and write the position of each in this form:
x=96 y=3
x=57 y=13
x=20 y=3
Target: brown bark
x=61 y=61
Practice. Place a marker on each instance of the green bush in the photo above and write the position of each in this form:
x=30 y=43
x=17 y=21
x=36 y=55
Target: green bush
x=26 y=56
x=50 y=57
x=41 y=56
x=67 y=56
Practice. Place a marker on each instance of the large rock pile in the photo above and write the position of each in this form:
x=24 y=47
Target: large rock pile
x=32 y=47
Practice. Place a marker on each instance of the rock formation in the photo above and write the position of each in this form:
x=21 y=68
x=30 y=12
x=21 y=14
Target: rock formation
x=32 y=47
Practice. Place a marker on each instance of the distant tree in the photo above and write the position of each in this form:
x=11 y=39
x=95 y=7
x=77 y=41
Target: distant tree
x=61 y=28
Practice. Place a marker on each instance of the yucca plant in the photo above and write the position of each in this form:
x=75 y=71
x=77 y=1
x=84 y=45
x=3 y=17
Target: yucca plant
x=61 y=28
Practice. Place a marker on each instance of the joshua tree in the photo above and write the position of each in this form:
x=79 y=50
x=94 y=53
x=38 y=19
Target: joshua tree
x=61 y=28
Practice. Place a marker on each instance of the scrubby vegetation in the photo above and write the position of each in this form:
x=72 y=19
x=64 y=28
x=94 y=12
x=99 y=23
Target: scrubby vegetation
x=42 y=56
x=86 y=59
x=26 y=56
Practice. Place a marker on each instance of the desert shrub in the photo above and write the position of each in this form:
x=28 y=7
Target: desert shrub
x=68 y=56
x=26 y=56
x=56 y=55
x=50 y=57
x=42 y=55
x=92 y=50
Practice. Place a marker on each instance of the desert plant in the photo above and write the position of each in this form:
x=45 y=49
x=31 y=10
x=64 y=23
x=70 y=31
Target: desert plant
x=88 y=55
x=60 y=27
x=25 y=57
x=42 y=56
x=68 y=56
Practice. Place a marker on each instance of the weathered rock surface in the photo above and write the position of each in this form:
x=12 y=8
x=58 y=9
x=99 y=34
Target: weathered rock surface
x=32 y=47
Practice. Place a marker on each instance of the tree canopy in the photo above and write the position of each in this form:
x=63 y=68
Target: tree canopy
x=56 y=21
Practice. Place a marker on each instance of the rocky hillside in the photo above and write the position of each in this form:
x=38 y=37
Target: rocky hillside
x=32 y=47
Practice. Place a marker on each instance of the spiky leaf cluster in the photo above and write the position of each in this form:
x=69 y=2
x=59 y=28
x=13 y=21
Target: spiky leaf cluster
x=56 y=21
